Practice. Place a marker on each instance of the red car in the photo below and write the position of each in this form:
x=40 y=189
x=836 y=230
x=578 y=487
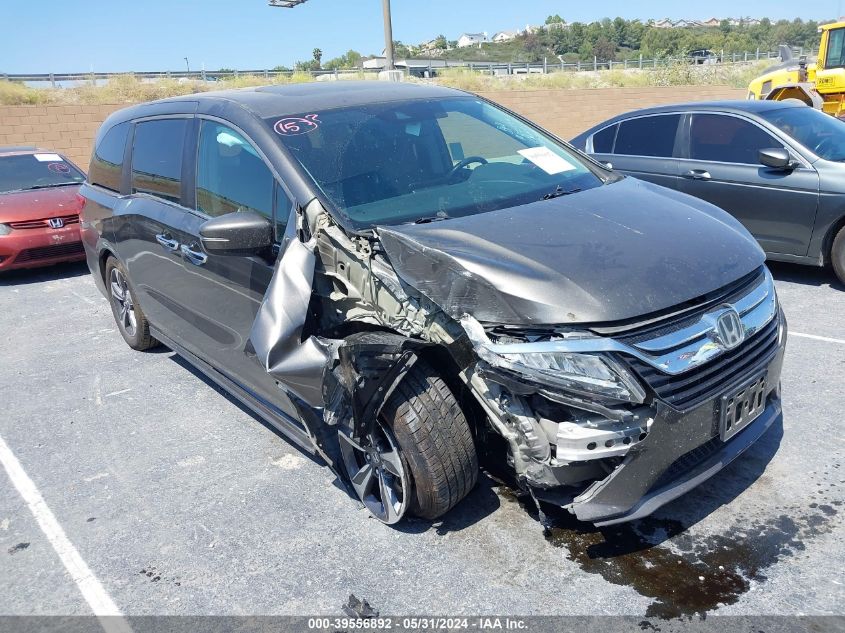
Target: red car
x=39 y=208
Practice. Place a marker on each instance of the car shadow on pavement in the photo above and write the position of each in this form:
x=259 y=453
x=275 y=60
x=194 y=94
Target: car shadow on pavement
x=40 y=275
x=481 y=502
x=187 y=366
x=806 y=275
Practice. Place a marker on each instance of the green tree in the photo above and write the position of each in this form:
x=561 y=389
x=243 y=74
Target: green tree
x=318 y=57
x=604 y=49
x=307 y=66
x=440 y=42
x=619 y=39
x=402 y=51
x=554 y=19
x=348 y=61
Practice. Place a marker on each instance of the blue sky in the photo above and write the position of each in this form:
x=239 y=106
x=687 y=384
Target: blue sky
x=102 y=35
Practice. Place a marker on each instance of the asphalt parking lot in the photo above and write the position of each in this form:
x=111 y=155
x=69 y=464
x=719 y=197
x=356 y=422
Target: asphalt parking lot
x=181 y=502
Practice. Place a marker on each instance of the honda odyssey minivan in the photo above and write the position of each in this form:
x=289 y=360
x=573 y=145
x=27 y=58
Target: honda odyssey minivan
x=404 y=278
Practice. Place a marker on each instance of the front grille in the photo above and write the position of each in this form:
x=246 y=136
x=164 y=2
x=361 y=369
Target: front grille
x=729 y=295
x=44 y=222
x=701 y=383
x=49 y=252
x=676 y=318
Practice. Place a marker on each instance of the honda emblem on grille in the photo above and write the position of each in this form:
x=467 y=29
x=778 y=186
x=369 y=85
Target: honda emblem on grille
x=56 y=223
x=729 y=331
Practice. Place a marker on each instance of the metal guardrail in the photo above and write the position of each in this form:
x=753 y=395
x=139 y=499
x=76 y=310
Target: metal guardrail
x=417 y=66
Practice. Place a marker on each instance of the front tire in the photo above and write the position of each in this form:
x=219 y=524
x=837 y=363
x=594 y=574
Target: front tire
x=837 y=255
x=131 y=322
x=436 y=463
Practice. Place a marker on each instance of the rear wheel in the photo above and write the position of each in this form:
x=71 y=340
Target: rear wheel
x=837 y=254
x=420 y=458
x=127 y=313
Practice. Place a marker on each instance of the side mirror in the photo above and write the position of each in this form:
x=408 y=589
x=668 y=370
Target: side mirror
x=775 y=157
x=238 y=233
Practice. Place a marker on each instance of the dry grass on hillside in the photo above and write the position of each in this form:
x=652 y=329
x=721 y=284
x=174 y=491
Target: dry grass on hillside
x=736 y=76
x=129 y=89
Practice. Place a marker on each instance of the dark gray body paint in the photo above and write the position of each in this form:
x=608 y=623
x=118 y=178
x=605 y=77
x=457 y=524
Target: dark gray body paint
x=611 y=253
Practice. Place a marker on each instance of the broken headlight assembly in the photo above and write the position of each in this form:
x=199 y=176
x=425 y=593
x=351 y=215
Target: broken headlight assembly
x=584 y=374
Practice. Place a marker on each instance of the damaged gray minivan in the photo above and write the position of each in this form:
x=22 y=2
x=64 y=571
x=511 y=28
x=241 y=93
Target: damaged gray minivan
x=404 y=278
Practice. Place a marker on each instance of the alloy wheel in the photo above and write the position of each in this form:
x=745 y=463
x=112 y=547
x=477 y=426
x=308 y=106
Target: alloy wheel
x=122 y=301
x=377 y=473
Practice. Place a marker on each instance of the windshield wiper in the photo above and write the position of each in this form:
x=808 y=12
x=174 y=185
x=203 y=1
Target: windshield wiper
x=55 y=184
x=431 y=218
x=558 y=192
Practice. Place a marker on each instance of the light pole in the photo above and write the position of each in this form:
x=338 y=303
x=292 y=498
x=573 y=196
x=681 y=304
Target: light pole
x=388 y=35
x=388 y=25
x=187 y=64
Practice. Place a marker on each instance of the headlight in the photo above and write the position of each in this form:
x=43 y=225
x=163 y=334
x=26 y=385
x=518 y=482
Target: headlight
x=5 y=229
x=588 y=374
x=582 y=373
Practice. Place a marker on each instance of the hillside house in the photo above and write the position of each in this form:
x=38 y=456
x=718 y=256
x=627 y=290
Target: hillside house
x=471 y=39
x=504 y=36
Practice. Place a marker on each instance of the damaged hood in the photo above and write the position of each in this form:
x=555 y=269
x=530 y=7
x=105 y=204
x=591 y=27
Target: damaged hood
x=611 y=253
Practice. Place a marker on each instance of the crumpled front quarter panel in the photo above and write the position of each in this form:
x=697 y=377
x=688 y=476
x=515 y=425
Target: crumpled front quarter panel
x=276 y=333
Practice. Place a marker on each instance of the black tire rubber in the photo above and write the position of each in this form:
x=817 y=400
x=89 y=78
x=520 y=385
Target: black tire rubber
x=837 y=255
x=435 y=440
x=142 y=340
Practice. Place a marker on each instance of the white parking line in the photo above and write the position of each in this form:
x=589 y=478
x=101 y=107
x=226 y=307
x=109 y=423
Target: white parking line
x=826 y=339
x=93 y=592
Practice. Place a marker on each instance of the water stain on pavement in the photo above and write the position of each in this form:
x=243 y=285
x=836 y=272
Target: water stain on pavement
x=684 y=575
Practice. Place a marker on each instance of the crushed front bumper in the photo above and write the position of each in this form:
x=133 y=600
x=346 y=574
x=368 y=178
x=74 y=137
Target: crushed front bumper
x=682 y=450
x=609 y=501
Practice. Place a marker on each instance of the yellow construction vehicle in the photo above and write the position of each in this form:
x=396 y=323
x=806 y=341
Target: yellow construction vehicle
x=820 y=84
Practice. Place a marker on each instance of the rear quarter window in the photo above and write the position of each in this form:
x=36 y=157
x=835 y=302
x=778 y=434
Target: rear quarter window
x=107 y=160
x=648 y=136
x=604 y=139
x=157 y=158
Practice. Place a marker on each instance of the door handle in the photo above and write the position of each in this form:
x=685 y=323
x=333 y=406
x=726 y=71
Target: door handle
x=197 y=258
x=698 y=174
x=168 y=243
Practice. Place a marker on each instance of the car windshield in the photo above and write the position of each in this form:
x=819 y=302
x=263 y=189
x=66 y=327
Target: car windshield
x=36 y=171
x=822 y=134
x=423 y=160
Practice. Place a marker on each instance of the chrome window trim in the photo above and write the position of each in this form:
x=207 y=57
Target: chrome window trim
x=674 y=353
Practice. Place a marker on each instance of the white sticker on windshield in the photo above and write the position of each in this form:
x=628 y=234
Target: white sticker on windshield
x=48 y=158
x=547 y=160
